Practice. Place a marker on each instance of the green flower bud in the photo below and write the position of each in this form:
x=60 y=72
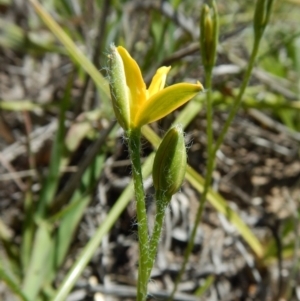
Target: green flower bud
x=118 y=88
x=261 y=17
x=170 y=162
x=209 y=32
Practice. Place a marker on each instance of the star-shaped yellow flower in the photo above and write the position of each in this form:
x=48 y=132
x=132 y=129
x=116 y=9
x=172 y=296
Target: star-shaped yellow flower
x=133 y=103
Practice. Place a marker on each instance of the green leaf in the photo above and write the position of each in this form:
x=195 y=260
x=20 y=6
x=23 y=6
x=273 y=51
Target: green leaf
x=51 y=182
x=9 y=280
x=40 y=263
x=72 y=217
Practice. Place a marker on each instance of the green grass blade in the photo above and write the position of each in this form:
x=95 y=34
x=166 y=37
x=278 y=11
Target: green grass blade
x=20 y=105
x=190 y=111
x=10 y=253
x=40 y=263
x=73 y=50
x=28 y=230
x=11 y=283
x=205 y=286
x=51 y=182
x=71 y=219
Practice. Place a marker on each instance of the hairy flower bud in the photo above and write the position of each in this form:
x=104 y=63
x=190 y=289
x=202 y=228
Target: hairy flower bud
x=170 y=162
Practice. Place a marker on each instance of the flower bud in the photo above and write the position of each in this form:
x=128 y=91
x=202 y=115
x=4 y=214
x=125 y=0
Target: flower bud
x=209 y=31
x=170 y=162
x=118 y=88
x=261 y=17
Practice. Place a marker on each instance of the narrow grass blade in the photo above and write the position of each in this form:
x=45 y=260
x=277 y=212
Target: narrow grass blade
x=73 y=50
x=205 y=286
x=20 y=105
x=10 y=282
x=28 y=230
x=9 y=252
x=40 y=263
x=51 y=182
x=71 y=219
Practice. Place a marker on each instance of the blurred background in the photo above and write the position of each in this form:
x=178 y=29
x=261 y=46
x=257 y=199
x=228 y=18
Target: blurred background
x=64 y=163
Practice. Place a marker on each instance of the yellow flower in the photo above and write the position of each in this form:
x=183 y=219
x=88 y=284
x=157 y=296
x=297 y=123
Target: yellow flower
x=133 y=103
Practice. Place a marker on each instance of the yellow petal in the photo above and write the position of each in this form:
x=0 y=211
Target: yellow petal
x=158 y=81
x=165 y=101
x=134 y=81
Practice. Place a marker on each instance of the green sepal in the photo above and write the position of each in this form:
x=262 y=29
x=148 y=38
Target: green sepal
x=170 y=163
x=118 y=89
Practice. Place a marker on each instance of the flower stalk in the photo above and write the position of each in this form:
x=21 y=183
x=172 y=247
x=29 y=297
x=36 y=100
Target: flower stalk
x=134 y=106
x=168 y=174
x=134 y=137
x=261 y=18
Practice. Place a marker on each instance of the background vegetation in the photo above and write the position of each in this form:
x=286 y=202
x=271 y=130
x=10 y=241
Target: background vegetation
x=67 y=217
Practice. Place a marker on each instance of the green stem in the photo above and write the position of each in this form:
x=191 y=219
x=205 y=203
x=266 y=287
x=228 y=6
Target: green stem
x=209 y=172
x=162 y=202
x=238 y=99
x=209 y=113
x=212 y=151
x=134 y=137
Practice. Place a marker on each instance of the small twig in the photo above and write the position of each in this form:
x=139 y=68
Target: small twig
x=12 y=170
x=272 y=124
x=167 y=10
x=37 y=138
x=181 y=53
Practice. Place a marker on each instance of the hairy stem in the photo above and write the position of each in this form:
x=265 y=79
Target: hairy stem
x=162 y=202
x=134 y=137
